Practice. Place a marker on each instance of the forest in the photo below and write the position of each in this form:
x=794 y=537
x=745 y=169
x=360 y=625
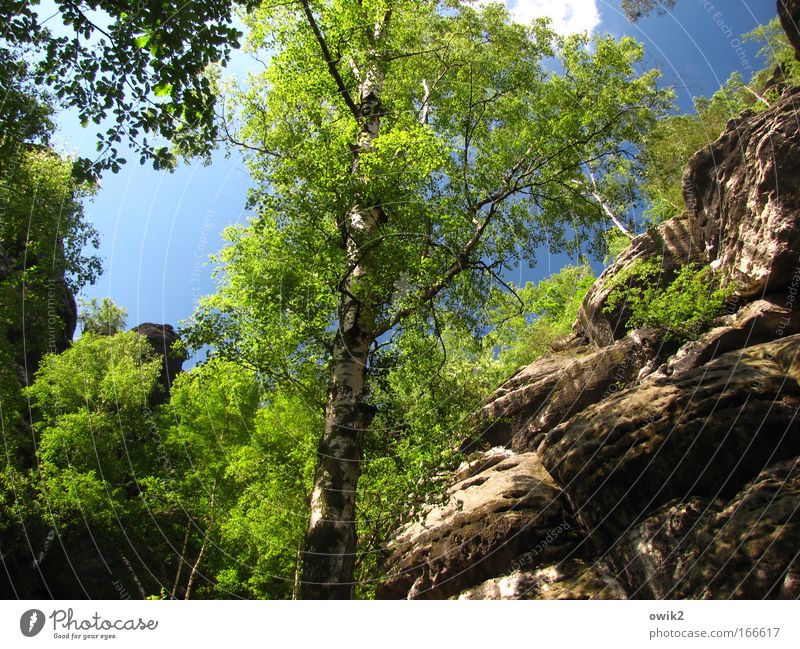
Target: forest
x=406 y=157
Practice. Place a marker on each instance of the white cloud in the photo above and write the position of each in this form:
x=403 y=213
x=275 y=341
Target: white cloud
x=568 y=16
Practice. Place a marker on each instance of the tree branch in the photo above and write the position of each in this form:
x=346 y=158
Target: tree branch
x=461 y=263
x=329 y=60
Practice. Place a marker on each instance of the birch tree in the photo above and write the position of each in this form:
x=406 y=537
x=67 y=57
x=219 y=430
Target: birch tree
x=405 y=155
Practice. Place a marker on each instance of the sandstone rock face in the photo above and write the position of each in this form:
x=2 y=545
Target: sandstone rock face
x=162 y=338
x=552 y=389
x=652 y=557
x=789 y=13
x=756 y=322
x=742 y=192
x=677 y=242
x=703 y=432
x=680 y=487
x=705 y=548
x=487 y=522
x=574 y=579
x=749 y=549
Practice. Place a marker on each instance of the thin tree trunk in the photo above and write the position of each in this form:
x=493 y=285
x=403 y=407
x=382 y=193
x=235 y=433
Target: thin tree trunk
x=196 y=567
x=181 y=561
x=198 y=561
x=607 y=209
x=297 y=567
x=330 y=548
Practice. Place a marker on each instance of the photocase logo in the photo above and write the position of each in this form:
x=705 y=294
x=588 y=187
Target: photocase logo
x=31 y=622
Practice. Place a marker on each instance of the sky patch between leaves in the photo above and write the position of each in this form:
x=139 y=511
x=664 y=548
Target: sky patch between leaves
x=568 y=16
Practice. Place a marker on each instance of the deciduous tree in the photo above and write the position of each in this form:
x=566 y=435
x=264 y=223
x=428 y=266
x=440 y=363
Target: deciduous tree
x=406 y=154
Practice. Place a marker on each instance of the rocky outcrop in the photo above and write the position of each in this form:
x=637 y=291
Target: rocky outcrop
x=651 y=492
x=754 y=323
x=40 y=314
x=559 y=385
x=573 y=579
x=700 y=433
x=625 y=468
x=745 y=548
x=675 y=243
x=789 y=13
x=742 y=192
x=162 y=338
x=486 y=522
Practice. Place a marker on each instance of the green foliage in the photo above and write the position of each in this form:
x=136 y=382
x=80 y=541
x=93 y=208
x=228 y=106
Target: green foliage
x=92 y=406
x=685 y=307
x=616 y=243
x=242 y=471
x=104 y=317
x=136 y=68
x=526 y=325
x=463 y=180
x=282 y=276
x=96 y=449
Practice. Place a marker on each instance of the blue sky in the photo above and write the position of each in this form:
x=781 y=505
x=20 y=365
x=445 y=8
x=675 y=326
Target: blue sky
x=158 y=229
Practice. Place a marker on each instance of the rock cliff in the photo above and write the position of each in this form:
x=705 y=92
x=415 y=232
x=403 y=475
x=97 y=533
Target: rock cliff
x=162 y=338
x=624 y=466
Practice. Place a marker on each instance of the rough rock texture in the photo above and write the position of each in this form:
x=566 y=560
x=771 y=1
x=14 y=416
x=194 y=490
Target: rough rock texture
x=750 y=548
x=487 y=522
x=701 y=433
x=162 y=338
x=743 y=194
x=685 y=486
x=743 y=549
x=651 y=558
x=573 y=579
x=676 y=241
x=555 y=387
x=789 y=13
x=756 y=322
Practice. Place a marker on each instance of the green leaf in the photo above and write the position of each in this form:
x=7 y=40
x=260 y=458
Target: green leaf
x=162 y=89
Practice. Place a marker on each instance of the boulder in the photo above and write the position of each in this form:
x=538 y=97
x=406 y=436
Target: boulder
x=742 y=194
x=705 y=432
x=487 y=460
x=749 y=549
x=705 y=549
x=486 y=522
x=653 y=556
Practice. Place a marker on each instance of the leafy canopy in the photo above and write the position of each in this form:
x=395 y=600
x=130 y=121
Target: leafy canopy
x=136 y=68
x=101 y=317
x=470 y=175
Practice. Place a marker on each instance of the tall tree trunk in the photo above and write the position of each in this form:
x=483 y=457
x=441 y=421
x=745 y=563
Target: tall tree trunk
x=330 y=547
